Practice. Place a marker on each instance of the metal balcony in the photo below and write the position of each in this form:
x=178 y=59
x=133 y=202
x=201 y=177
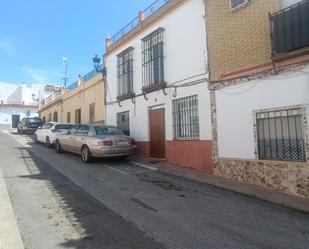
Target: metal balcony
x=290 y=30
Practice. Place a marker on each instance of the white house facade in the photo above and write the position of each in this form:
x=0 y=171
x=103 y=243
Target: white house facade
x=19 y=100
x=157 y=87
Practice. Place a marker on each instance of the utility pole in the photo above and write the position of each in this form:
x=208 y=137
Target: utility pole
x=65 y=61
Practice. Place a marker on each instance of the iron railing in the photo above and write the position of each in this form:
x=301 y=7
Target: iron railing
x=125 y=30
x=155 y=7
x=153 y=58
x=148 y=12
x=186 y=118
x=85 y=78
x=280 y=135
x=290 y=28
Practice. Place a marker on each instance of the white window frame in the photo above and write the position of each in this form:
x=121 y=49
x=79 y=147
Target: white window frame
x=246 y=2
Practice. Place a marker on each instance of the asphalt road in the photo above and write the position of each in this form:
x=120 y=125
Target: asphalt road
x=60 y=202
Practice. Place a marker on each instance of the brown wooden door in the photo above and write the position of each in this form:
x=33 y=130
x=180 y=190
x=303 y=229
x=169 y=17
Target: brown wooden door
x=157 y=133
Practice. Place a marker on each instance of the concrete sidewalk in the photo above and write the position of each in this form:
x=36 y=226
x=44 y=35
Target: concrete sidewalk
x=9 y=233
x=282 y=199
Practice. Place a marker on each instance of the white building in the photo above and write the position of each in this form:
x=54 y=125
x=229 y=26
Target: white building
x=157 y=88
x=19 y=100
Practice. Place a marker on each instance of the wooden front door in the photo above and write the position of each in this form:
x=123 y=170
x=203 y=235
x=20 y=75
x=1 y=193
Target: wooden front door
x=157 y=133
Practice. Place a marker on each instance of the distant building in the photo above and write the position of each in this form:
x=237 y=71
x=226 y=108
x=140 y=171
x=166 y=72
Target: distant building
x=19 y=100
x=81 y=102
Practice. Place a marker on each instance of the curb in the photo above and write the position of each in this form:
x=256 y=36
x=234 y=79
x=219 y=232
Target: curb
x=9 y=233
x=282 y=199
x=278 y=198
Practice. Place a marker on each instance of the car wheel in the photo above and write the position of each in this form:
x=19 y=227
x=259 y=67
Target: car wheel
x=35 y=138
x=48 y=144
x=85 y=154
x=58 y=146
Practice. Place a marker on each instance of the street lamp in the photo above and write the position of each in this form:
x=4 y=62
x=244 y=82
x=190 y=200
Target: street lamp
x=65 y=61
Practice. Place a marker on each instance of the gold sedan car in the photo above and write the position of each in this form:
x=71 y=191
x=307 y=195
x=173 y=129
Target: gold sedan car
x=92 y=141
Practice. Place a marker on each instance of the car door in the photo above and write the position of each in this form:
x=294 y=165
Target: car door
x=80 y=138
x=67 y=138
x=44 y=132
x=39 y=133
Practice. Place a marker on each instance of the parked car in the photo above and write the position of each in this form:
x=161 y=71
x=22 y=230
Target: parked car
x=49 y=132
x=29 y=124
x=91 y=141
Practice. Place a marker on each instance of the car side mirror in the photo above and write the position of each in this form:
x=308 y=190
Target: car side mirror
x=68 y=132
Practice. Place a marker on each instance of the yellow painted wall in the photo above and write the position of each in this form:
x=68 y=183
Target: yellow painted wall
x=89 y=92
x=55 y=107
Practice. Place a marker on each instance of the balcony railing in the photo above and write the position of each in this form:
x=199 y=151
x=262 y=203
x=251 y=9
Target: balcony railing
x=49 y=99
x=290 y=28
x=85 y=78
x=125 y=30
x=148 y=12
x=155 y=7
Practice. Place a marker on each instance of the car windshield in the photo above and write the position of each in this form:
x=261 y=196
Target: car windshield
x=34 y=120
x=63 y=126
x=107 y=130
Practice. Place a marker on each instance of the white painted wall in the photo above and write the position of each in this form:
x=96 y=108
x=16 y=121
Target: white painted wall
x=235 y=106
x=6 y=114
x=21 y=93
x=185 y=56
x=18 y=94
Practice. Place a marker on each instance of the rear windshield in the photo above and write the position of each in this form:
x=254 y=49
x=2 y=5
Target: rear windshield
x=63 y=126
x=107 y=130
x=34 y=120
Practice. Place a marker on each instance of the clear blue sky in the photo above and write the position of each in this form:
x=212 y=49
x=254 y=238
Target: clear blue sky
x=35 y=34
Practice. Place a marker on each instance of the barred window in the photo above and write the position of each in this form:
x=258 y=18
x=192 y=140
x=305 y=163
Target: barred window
x=186 y=118
x=153 y=58
x=280 y=135
x=92 y=113
x=55 y=116
x=123 y=122
x=125 y=72
x=78 y=116
x=68 y=117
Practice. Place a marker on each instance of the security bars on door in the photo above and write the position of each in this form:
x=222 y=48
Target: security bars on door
x=280 y=135
x=153 y=58
x=186 y=118
x=125 y=72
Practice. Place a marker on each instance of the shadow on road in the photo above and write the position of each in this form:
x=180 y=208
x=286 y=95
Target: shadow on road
x=102 y=227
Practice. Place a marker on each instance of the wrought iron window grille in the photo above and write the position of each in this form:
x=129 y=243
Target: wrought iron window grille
x=280 y=135
x=125 y=74
x=186 y=118
x=153 y=61
x=123 y=122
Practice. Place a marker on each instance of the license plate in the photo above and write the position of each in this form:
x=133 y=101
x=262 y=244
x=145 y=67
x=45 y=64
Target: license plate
x=122 y=143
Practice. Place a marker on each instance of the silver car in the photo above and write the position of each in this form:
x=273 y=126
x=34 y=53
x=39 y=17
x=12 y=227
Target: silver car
x=91 y=141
